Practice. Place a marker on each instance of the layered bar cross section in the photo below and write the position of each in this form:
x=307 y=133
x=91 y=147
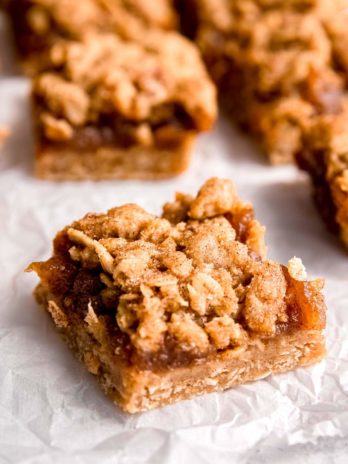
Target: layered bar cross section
x=113 y=109
x=164 y=308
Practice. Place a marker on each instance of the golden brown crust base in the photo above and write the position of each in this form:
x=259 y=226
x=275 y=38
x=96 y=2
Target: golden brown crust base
x=137 y=390
x=107 y=163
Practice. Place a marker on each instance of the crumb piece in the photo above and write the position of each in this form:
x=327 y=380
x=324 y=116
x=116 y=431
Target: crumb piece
x=214 y=198
x=66 y=100
x=264 y=302
x=94 y=324
x=56 y=129
x=177 y=211
x=224 y=332
x=296 y=269
x=187 y=332
x=57 y=314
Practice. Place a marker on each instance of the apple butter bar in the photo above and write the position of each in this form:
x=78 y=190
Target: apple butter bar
x=325 y=157
x=114 y=109
x=277 y=64
x=164 y=308
x=39 y=24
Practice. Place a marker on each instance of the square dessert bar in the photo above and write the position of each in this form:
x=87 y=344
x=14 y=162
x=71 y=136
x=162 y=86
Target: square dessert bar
x=112 y=109
x=39 y=24
x=164 y=308
x=277 y=64
x=325 y=157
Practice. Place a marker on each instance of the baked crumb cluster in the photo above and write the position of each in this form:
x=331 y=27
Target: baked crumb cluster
x=282 y=64
x=187 y=277
x=74 y=18
x=195 y=275
x=42 y=22
x=135 y=89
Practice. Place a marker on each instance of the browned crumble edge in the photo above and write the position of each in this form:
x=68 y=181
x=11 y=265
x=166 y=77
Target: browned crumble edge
x=164 y=308
x=278 y=64
x=136 y=115
x=39 y=24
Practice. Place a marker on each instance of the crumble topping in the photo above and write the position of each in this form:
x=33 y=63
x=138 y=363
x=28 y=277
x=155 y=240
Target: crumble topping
x=213 y=199
x=158 y=82
x=281 y=63
x=296 y=269
x=265 y=299
x=269 y=37
x=72 y=19
x=184 y=277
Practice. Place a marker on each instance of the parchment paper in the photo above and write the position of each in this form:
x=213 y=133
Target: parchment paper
x=52 y=411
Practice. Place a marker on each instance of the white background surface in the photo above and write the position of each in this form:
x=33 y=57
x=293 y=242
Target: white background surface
x=52 y=411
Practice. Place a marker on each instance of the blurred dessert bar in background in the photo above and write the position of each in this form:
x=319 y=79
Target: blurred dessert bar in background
x=39 y=24
x=110 y=109
x=325 y=157
x=277 y=64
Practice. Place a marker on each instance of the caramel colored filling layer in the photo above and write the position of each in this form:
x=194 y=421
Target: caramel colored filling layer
x=74 y=288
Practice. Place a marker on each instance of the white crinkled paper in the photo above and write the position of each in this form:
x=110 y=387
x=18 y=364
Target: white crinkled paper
x=52 y=411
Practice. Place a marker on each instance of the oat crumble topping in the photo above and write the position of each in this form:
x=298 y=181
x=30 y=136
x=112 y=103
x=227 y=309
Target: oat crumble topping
x=280 y=63
x=184 y=276
x=144 y=84
x=72 y=19
x=296 y=269
x=173 y=276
